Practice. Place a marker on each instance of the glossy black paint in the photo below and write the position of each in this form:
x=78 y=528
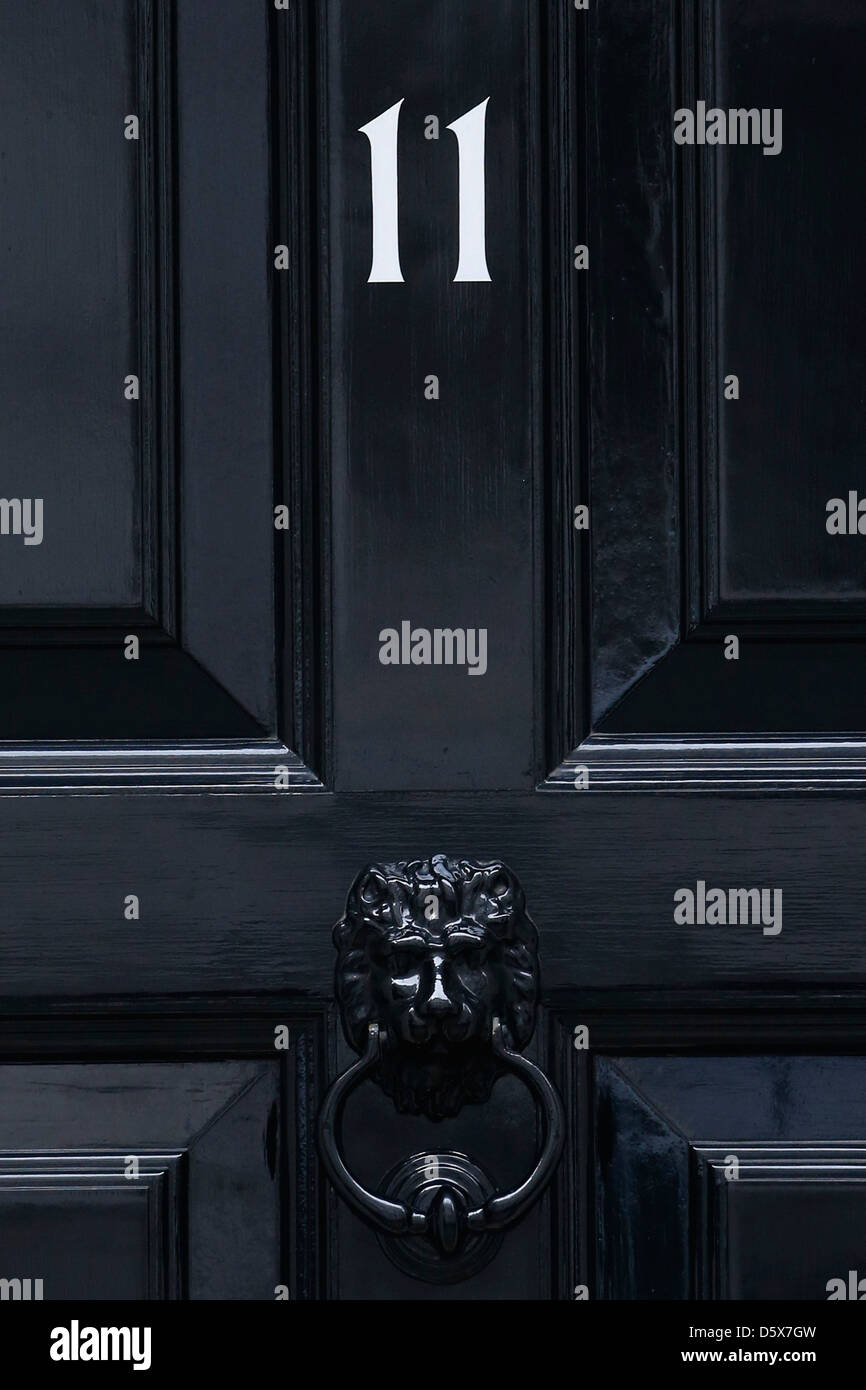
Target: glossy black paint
x=437 y=978
x=192 y=1217
x=451 y=478
x=784 y=1223
x=434 y=952
x=305 y=387
x=137 y=257
x=709 y=514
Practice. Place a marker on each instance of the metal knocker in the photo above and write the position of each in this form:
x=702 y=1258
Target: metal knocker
x=437 y=982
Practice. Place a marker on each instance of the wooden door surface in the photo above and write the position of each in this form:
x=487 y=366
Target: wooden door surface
x=432 y=474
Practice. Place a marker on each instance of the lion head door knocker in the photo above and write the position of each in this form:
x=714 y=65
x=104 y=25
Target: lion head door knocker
x=437 y=982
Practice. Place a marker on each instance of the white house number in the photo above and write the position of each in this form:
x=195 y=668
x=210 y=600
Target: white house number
x=383 y=133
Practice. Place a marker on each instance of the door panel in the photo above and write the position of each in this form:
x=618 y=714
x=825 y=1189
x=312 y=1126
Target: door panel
x=755 y=1170
x=132 y=253
x=142 y=1181
x=428 y=476
x=711 y=515
x=72 y=276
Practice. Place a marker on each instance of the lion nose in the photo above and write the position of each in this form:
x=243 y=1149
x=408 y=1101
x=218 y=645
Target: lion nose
x=438 y=1001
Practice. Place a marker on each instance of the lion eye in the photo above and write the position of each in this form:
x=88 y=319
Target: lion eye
x=403 y=962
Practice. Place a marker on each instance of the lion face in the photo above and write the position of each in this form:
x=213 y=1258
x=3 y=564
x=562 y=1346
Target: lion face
x=433 y=951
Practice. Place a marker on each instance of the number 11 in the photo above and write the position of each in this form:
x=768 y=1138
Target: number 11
x=470 y=131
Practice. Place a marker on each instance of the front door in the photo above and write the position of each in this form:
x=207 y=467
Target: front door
x=433 y=504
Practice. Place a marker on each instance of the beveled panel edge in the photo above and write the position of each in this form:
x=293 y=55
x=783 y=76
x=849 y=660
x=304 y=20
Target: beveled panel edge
x=664 y=764
x=84 y=768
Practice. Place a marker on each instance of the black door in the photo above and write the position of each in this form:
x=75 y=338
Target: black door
x=432 y=474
